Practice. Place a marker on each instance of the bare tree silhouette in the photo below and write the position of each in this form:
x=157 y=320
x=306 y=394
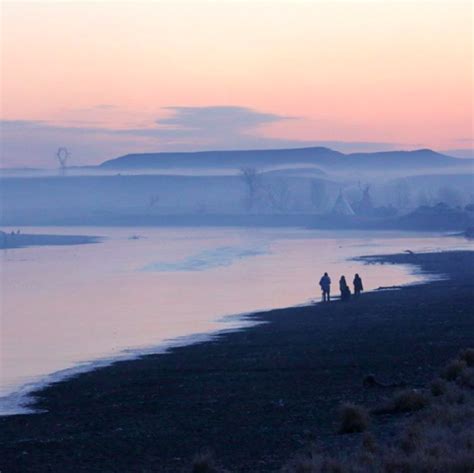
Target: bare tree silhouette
x=402 y=195
x=62 y=155
x=153 y=200
x=278 y=196
x=252 y=181
x=319 y=194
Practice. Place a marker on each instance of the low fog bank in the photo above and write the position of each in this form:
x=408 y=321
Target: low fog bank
x=419 y=190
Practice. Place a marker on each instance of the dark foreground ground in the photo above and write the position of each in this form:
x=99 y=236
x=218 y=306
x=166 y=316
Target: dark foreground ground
x=254 y=397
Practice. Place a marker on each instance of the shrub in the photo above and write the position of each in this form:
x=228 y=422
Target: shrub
x=369 y=444
x=438 y=439
x=408 y=400
x=438 y=387
x=353 y=419
x=369 y=381
x=467 y=355
x=204 y=463
x=453 y=369
x=466 y=379
x=410 y=439
x=455 y=396
x=314 y=463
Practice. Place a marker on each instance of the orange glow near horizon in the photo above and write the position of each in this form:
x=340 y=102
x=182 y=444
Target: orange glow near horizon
x=396 y=72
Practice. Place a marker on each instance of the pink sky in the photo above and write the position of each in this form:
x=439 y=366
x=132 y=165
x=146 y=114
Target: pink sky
x=97 y=76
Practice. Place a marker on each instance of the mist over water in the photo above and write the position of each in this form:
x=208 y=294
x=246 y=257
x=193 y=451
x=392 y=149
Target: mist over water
x=62 y=306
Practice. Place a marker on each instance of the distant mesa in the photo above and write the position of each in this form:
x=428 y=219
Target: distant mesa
x=231 y=159
x=316 y=156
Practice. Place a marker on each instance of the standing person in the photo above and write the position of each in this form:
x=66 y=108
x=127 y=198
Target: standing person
x=344 y=288
x=358 y=287
x=325 y=283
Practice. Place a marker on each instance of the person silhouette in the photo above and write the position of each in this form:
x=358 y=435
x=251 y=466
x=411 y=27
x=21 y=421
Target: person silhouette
x=344 y=288
x=325 y=283
x=358 y=287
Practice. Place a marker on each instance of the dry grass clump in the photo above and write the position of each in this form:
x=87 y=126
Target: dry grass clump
x=427 y=461
x=438 y=387
x=453 y=369
x=315 y=463
x=466 y=378
x=439 y=439
x=467 y=355
x=369 y=381
x=204 y=462
x=408 y=400
x=455 y=395
x=369 y=443
x=436 y=439
x=353 y=419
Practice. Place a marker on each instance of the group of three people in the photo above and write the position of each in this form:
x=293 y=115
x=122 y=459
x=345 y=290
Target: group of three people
x=325 y=283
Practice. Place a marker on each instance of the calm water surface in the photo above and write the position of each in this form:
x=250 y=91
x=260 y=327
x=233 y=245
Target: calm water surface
x=74 y=307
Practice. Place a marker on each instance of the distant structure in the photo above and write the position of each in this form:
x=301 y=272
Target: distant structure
x=365 y=206
x=3 y=239
x=342 y=207
x=153 y=201
x=62 y=154
x=252 y=181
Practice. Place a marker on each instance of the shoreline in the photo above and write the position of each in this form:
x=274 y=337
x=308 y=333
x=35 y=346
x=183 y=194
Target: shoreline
x=254 y=395
x=21 y=401
x=13 y=240
x=257 y=221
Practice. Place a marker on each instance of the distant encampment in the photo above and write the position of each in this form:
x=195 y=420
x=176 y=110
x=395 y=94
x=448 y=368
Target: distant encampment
x=306 y=187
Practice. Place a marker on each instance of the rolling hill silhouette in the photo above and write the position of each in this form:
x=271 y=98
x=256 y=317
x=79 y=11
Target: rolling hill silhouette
x=319 y=156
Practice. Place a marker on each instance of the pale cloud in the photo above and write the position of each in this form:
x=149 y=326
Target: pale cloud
x=34 y=142
x=229 y=118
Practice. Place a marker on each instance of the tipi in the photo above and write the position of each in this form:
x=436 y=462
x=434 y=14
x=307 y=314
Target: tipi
x=342 y=207
x=365 y=206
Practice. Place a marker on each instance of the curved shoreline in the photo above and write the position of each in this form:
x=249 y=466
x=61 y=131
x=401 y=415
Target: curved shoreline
x=21 y=400
x=253 y=396
x=13 y=240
